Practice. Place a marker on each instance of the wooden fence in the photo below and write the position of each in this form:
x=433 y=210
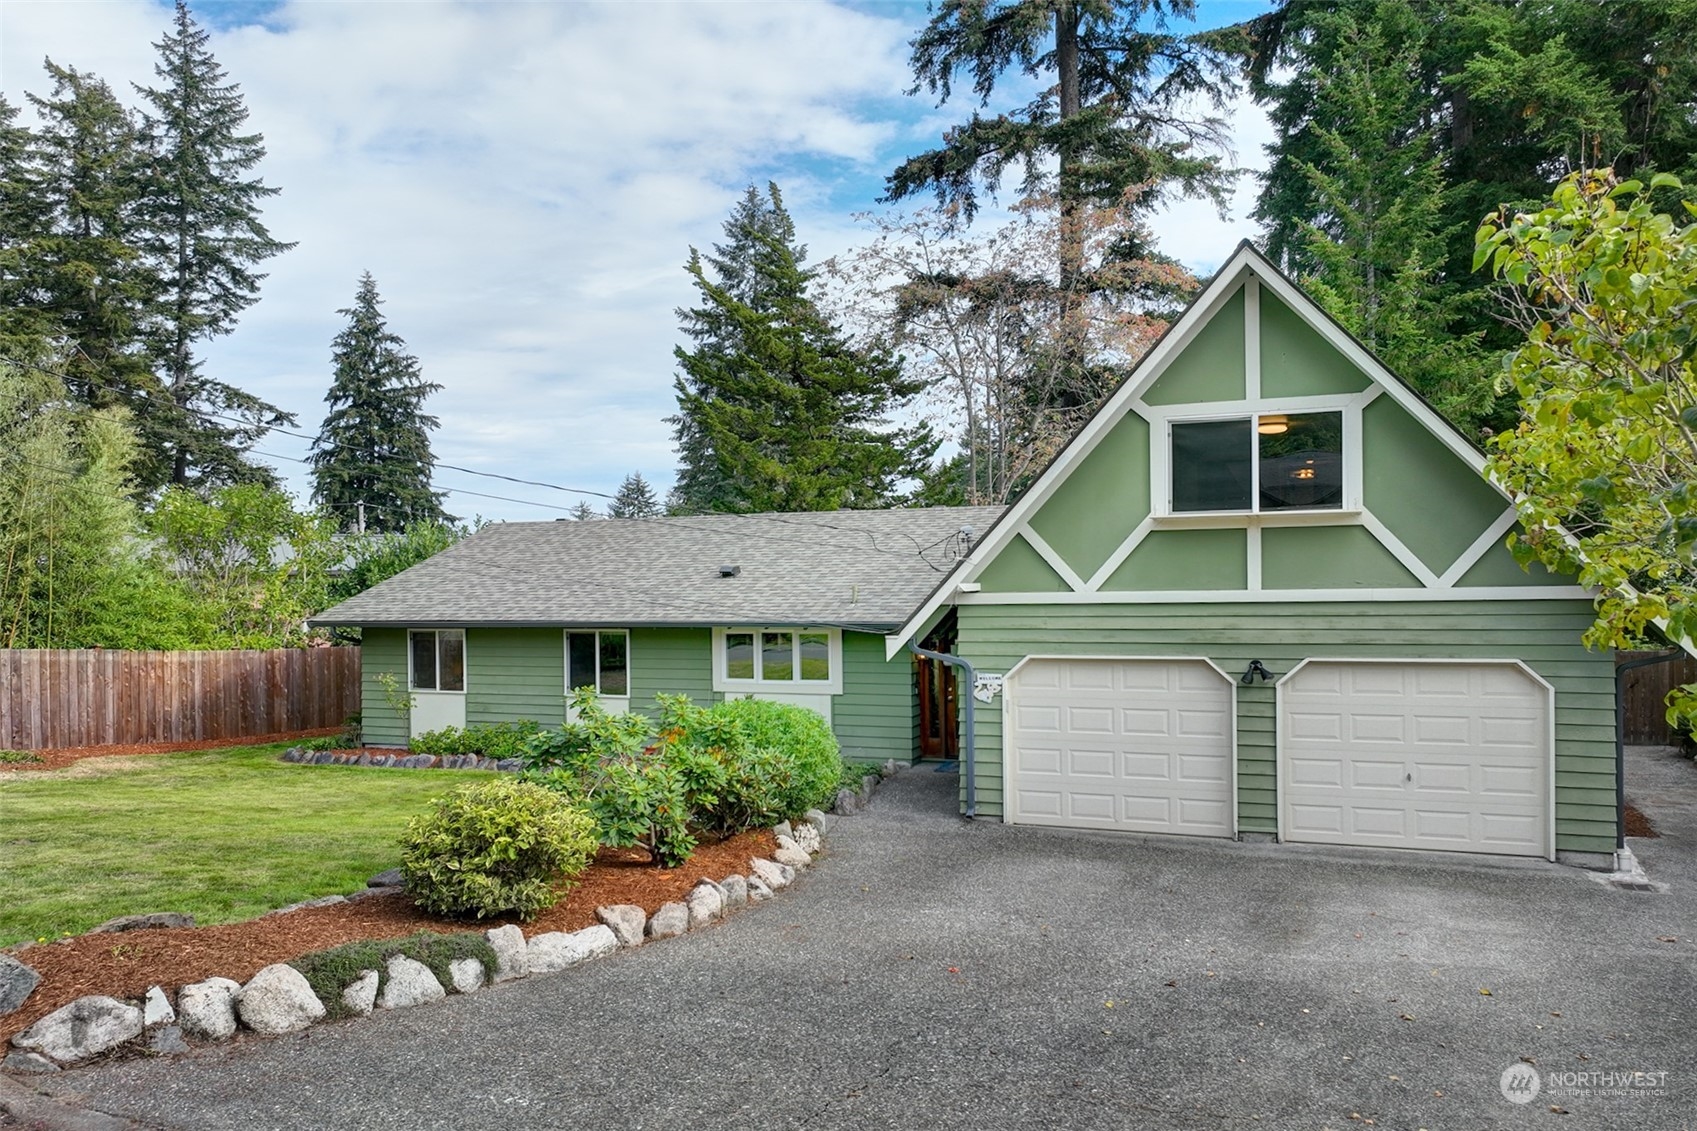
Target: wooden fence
x=1643 y=692
x=96 y=698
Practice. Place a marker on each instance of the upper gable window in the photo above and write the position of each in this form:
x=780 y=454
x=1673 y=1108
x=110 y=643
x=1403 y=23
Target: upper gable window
x=1258 y=463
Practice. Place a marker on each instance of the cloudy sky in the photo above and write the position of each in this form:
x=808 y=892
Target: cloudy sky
x=524 y=180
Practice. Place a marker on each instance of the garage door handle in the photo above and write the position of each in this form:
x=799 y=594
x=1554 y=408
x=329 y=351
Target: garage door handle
x=1407 y=777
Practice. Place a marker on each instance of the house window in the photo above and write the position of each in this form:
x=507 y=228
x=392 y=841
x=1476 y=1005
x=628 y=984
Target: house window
x=798 y=658
x=438 y=659
x=599 y=661
x=1259 y=463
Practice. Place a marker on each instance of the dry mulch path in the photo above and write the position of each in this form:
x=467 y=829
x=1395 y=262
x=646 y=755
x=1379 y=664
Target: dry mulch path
x=1637 y=824
x=61 y=757
x=125 y=964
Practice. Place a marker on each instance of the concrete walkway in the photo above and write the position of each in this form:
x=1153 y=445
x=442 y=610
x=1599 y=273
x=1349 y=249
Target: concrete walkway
x=929 y=973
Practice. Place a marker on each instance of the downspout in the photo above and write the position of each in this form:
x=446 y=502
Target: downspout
x=969 y=758
x=1620 y=734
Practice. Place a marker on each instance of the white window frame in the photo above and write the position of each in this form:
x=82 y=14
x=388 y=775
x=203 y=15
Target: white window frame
x=831 y=686
x=436 y=635
x=1161 y=457
x=566 y=646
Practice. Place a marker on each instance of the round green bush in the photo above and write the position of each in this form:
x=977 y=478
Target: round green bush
x=784 y=761
x=494 y=847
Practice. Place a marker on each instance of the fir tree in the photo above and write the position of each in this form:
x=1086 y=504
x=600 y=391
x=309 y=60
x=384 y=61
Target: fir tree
x=796 y=417
x=203 y=236
x=24 y=328
x=583 y=512
x=634 y=499
x=737 y=265
x=372 y=457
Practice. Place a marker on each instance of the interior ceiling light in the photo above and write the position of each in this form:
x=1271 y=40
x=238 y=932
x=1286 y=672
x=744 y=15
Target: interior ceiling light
x=1272 y=425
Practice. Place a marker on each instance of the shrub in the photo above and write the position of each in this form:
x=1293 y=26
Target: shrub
x=19 y=757
x=329 y=972
x=495 y=846
x=491 y=740
x=775 y=760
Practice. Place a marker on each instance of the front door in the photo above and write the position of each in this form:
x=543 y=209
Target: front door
x=939 y=708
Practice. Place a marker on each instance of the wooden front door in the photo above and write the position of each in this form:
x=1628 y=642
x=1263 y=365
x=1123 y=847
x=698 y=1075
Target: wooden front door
x=939 y=709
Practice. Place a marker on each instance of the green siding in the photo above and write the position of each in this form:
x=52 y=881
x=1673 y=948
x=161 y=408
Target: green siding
x=1429 y=498
x=1102 y=500
x=515 y=673
x=1296 y=361
x=1498 y=567
x=1543 y=634
x=381 y=650
x=875 y=717
x=1018 y=568
x=670 y=661
x=1210 y=368
x=1329 y=557
x=1185 y=559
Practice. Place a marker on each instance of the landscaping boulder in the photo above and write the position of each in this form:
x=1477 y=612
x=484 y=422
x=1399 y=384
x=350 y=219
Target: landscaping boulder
x=321 y=901
x=166 y=1040
x=807 y=839
x=360 y=995
x=782 y=828
x=32 y=1063
x=848 y=801
x=774 y=875
x=757 y=890
x=17 y=982
x=818 y=820
x=156 y=1008
x=790 y=854
x=868 y=784
x=735 y=889
x=278 y=999
x=670 y=921
x=556 y=950
x=86 y=1027
x=208 y=1009
x=625 y=920
x=389 y=879
x=511 y=958
x=705 y=902
x=144 y=922
x=410 y=983
x=466 y=974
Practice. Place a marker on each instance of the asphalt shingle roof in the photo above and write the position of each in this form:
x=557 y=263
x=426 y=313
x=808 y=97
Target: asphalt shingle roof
x=864 y=569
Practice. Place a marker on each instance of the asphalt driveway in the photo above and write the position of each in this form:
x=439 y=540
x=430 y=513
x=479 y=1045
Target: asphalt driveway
x=929 y=973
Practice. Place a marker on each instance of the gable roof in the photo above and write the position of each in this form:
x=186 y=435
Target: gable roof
x=1245 y=262
x=852 y=569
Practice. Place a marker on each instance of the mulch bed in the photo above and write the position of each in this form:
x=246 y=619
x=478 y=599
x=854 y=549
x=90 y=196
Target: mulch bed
x=125 y=964
x=59 y=758
x=1637 y=824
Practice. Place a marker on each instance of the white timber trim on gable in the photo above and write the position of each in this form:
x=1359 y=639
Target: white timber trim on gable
x=1482 y=545
x=1252 y=339
x=1055 y=561
x=1280 y=596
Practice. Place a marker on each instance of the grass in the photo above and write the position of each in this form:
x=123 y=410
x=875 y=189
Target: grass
x=221 y=834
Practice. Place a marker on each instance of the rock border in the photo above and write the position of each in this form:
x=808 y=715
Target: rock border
x=399 y=760
x=277 y=999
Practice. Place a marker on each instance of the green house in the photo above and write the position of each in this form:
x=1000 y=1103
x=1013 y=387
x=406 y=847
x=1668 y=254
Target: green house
x=1265 y=591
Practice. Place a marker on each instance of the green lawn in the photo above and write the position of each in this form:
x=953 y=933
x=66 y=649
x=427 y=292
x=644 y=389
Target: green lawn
x=222 y=834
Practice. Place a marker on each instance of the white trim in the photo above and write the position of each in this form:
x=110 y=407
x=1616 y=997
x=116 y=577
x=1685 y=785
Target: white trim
x=1252 y=543
x=1252 y=339
x=1409 y=559
x=1161 y=421
x=1118 y=557
x=615 y=704
x=1281 y=771
x=436 y=633
x=798 y=686
x=1010 y=691
x=1276 y=596
x=1481 y=546
x=1056 y=562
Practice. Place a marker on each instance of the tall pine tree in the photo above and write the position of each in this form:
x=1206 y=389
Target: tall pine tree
x=796 y=417
x=203 y=235
x=372 y=457
x=634 y=499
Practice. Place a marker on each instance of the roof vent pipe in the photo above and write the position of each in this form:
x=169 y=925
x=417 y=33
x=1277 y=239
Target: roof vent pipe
x=969 y=759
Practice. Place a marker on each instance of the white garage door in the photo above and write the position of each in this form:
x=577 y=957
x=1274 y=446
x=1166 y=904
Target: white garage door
x=1135 y=745
x=1451 y=756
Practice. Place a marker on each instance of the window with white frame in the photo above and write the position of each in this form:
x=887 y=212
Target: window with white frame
x=436 y=660
x=797 y=659
x=600 y=661
x=1258 y=463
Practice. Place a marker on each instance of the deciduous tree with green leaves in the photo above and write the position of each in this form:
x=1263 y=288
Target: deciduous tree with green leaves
x=1603 y=466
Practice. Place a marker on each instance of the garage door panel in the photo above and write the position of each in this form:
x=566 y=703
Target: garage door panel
x=1139 y=745
x=1420 y=755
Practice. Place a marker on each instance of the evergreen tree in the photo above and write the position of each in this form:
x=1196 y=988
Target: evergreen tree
x=77 y=277
x=202 y=234
x=737 y=265
x=24 y=328
x=634 y=499
x=583 y=512
x=796 y=417
x=372 y=457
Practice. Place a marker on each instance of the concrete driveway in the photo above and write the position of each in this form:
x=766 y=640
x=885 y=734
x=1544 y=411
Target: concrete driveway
x=933 y=974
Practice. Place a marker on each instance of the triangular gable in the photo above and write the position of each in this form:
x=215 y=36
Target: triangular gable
x=1228 y=296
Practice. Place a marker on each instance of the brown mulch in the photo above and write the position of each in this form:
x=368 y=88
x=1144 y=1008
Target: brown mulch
x=58 y=759
x=125 y=964
x=1637 y=824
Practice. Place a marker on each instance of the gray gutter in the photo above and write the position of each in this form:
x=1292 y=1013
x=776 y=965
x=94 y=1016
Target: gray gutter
x=969 y=756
